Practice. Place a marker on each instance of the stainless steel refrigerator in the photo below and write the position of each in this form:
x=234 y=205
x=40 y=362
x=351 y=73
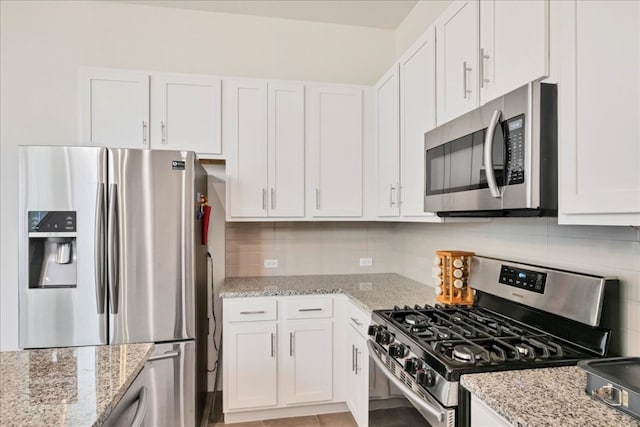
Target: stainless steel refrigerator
x=110 y=252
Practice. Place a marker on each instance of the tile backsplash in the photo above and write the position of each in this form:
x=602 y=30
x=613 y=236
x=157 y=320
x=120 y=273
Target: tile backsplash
x=303 y=248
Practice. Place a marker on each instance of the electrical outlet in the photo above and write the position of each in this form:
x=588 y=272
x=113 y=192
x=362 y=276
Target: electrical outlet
x=270 y=263
x=366 y=262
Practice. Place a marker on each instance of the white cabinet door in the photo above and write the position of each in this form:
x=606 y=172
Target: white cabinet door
x=514 y=45
x=599 y=110
x=286 y=149
x=335 y=151
x=114 y=108
x=388 y=148
x=246 y=102
x=250 y=364
x=483 y=416
x=357 y=377
x=185 y=113
x=306 y=350
x=417 y=116
x=457 y=59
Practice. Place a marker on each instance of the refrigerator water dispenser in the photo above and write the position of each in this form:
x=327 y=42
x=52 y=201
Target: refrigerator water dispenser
x=52 y=249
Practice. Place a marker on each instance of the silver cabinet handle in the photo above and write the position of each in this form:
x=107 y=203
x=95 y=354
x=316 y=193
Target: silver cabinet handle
x=264 y=199
x=391 y=190
x=483 y=80
x=317 y=199
x=355 y=369
x=272 y=338
x=465 y=69
x=273 y=198
x=144 y=133
x=98 y=261
x=488 y=157
x=354 y=320
x=112 y=247
x=168 y=355
x=309 y=309
x=253 y=312
x=163 y=131
x=353 y=358
x=291 y=344
x=141 y=410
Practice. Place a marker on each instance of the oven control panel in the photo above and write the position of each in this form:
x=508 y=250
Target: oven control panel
x=533 y=281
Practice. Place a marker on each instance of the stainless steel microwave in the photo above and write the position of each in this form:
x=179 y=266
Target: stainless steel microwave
x=498 y=160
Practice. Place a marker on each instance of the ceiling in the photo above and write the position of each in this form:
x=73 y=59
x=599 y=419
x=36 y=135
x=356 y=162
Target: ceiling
x=387 y=14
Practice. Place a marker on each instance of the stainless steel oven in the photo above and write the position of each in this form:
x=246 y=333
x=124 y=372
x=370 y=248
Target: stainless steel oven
x=498 y=160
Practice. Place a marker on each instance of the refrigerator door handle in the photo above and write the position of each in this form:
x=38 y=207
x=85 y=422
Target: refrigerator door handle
x=99 y=249
x=112 y=248
x=163 y=356
x=141 y=410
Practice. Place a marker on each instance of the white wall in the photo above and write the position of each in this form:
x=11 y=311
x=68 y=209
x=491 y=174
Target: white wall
x=42 y=45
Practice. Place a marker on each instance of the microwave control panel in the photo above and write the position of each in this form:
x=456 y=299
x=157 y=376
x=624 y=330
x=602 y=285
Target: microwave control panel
x=533 y=281
x=514 y=141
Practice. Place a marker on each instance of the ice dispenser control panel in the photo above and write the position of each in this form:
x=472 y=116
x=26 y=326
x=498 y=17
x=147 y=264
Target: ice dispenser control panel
x=533 y=281
x=52 y=221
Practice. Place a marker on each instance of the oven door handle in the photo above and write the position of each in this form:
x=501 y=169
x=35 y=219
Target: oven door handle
x=409 y=394
x=488 y=154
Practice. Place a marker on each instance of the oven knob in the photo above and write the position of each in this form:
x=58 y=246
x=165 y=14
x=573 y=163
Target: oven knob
x=397 y=350
x=412 y=365
x=373 y=329
x=383 y=337
x=425 y=377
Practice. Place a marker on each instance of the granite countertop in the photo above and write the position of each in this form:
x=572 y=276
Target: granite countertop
x=75 y=386
x=543 y=397
x=370 y=291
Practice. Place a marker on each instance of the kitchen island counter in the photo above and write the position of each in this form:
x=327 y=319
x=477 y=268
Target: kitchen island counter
x=75 y=386
x=370 y=291
x=543 y=397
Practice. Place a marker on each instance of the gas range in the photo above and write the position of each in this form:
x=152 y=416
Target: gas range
x=425 y=349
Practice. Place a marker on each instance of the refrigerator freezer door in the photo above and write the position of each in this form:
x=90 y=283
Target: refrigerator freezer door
x=150 y=240
x=59 y=184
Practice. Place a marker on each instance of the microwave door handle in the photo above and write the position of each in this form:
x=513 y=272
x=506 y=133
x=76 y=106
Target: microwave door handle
x=488 y=154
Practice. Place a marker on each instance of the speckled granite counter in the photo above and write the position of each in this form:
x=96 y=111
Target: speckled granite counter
x=371 y=291
x=66 y=386
x=543 y=397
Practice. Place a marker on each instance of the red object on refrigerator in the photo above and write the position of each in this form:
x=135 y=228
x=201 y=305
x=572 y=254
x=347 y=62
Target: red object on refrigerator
x=206 y=214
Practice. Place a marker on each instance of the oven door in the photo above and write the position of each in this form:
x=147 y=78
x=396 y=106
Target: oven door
x=391 y=399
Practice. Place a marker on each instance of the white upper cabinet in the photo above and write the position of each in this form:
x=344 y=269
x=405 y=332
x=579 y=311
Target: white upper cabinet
x=388 y=147
x=114 y=108
x=457 y=58
x=185 y=113
x=514 y=45
x=286 y=149
x=134 y=109
x=599 y=112
x=265 y=136
x=245 y=102
x=335 y=151
x=417 y=116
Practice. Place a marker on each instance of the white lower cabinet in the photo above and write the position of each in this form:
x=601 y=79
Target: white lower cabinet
x=358 y=364
x=306 y=364
x=251 y=364
x=278 y=353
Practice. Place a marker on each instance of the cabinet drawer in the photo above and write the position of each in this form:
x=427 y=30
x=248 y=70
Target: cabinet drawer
x=358 y=318
x=249 y=309
x=308 y=308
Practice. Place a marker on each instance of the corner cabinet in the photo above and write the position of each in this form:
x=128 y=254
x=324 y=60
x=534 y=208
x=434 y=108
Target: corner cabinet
x=417 y=116
x=264 y=133
x=388 y=147
x=335 y=151
x=134 y=109
x=599 y=109
x=358 y=364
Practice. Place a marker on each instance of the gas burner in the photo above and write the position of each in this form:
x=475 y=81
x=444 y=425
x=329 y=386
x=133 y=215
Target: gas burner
x=412 y=319
x=465 y=353
x=419 y=328
x=442 y=332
